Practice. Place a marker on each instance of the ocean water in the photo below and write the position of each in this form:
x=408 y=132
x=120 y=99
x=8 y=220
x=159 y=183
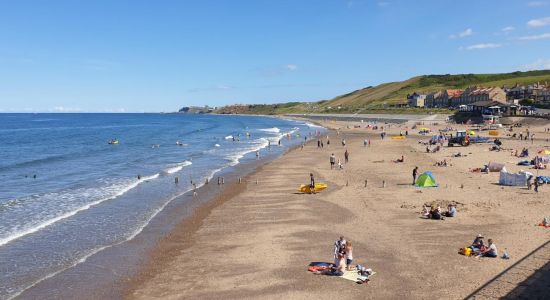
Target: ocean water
x=66 y=194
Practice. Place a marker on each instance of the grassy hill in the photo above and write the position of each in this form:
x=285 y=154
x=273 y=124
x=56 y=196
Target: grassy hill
x=384 y=97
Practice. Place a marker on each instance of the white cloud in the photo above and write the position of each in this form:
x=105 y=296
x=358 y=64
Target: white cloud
x=539 y=22
x=508 y=29
x=536 y=37
x=462 y=34
x=383 y=3
x=63 y=109
x=540 y=64
x=537 y=3
x=291 y=67
x=483 y=46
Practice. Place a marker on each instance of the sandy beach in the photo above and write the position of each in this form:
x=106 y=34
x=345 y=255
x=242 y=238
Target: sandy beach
x=256 y=239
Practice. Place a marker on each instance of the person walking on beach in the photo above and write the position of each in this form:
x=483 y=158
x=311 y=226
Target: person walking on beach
x=311 y=183
x=536 y=184
x=415 y=172
x=332 y=161
x=346 y=156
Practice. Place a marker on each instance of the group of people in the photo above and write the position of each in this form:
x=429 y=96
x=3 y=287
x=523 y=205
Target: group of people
x=337 y=163
x=436 y=213
x=524 y=153
x=442 y=163
x=479 y=248
x=533 y=182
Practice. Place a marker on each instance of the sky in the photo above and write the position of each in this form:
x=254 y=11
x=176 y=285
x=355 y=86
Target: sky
x=158 y=56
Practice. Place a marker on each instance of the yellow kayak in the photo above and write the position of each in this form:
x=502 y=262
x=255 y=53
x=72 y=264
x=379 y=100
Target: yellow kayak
x=305 y=188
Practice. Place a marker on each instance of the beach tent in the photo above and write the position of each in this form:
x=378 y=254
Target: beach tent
x=495 y=167
x=426 y=179
x=518 y=179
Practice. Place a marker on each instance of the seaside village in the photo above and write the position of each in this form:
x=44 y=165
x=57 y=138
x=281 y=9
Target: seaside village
x=515 y=100
x=465 y=173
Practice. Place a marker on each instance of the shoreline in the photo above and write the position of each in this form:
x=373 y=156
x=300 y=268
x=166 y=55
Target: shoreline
x=255 y=241
x=107 y=271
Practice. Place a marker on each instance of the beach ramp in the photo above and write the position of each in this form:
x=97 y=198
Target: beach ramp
x=426 y=179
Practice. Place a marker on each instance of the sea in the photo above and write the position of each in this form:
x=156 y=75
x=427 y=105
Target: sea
x=67 y=194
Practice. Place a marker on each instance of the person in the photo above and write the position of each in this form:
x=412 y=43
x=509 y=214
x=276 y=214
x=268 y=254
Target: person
x=311 y=181
x=490 y=251
x=258 y=153
x=339 y=245
x=435 y=213
x=343 y=142
x=346 y=156
x=478 y=243
x=318 y=144
x=340 y=166
x=425 y=211
x=365 y=143
x=451 y=212
x=536 y=183
x=415 y=172
x=400 y=160
x=332 y=161
x=349 y=255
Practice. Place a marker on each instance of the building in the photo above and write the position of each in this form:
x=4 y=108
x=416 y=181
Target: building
x=477 y=94
x=521 y=92
x=416 y=100
x=442 y=98
x=542 y=96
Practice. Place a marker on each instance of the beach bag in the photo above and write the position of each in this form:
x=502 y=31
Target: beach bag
x=467 y=251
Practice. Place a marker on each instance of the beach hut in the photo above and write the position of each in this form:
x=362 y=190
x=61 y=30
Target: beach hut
x=426 y=179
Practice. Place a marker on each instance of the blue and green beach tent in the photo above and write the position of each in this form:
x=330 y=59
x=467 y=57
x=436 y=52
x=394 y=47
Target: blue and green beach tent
x=426 y=179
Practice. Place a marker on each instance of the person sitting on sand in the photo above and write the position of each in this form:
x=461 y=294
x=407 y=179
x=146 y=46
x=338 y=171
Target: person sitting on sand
x=435 y=213
x=451 y=212
x=478 y=244
x=490 y=251
x=338 y=268
x=425 y=211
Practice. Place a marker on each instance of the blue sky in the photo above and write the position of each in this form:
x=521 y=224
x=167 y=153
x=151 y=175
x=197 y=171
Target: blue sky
x=136 y=56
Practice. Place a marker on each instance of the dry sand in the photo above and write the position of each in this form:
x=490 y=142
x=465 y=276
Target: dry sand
x=257 y=241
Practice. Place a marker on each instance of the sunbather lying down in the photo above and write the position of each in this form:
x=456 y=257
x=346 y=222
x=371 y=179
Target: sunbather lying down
x=400 y=160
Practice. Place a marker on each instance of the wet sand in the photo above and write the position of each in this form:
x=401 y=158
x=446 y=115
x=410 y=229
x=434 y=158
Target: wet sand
x=256 y=240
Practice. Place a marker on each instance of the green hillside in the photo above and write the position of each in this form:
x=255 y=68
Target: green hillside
x=385 y=97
